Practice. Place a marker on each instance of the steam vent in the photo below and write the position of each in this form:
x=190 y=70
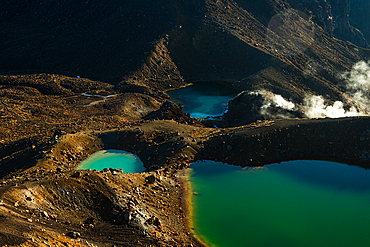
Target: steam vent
x=181 y=96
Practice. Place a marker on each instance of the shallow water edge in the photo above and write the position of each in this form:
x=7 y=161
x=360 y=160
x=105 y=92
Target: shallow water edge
x=183 y=177
x=112 y=159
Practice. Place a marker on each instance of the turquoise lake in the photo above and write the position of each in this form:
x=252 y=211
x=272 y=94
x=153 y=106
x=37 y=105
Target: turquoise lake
x=297 y=203
x=115 y=159
x=203 y=99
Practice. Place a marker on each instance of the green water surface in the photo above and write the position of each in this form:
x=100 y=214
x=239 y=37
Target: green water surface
x=203 y=99
x=115 y=159
x=292 y=204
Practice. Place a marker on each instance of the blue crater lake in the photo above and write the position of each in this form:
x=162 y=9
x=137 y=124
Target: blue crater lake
x=115 y=159
x=297 y=203
x=203 y=99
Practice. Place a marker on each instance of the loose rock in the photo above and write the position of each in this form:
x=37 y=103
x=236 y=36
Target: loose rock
x=151 y=179
x=74 y=235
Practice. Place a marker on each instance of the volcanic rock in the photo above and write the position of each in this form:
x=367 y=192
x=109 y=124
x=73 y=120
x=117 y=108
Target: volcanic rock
x=74 y=235
x=151 y=179
x=247 y=108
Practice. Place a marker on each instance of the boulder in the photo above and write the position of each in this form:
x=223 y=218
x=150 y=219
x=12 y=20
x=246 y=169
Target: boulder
x=151 y=179
x=73 y=235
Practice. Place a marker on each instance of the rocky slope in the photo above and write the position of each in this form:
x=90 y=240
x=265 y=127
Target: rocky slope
x=169 y=41
x=81 y=77
x=334 y=16
x=358 y=16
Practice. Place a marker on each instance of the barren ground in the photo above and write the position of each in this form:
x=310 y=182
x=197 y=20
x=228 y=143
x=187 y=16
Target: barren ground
x=93 y=75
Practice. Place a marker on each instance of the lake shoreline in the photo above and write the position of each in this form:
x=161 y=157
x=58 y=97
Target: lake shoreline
x=187 y=204
x=117 y=159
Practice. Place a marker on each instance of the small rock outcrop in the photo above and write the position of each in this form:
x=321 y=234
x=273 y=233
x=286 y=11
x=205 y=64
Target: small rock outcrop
x=249 y=107
x=151 y=179
x=74 y=235
x=171 y=111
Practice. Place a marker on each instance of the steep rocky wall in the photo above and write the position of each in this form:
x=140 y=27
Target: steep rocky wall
x=334 y=16
x=359 y=16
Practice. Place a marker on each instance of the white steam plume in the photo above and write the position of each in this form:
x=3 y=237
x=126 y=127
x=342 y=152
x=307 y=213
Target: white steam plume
x=273 y=100
x=358 y=93
x=315 y=107
x=359 y=84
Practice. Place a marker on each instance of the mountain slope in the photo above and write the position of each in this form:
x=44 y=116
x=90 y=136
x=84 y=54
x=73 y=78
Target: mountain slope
x=110 y=41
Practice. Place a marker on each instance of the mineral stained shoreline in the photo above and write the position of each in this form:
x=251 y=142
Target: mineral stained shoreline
x=187 y=204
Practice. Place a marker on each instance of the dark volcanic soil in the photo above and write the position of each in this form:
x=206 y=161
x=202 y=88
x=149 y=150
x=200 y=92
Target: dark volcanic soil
x=86 y=76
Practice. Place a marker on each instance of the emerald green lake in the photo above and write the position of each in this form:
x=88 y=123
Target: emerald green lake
x=203 y=99
x=115 y=159
x=297 y=203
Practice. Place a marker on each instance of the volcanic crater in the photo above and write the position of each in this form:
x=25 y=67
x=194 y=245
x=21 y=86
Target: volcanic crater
x=83 y=77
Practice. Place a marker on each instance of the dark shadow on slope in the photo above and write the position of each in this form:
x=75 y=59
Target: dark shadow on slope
x=98 y=39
